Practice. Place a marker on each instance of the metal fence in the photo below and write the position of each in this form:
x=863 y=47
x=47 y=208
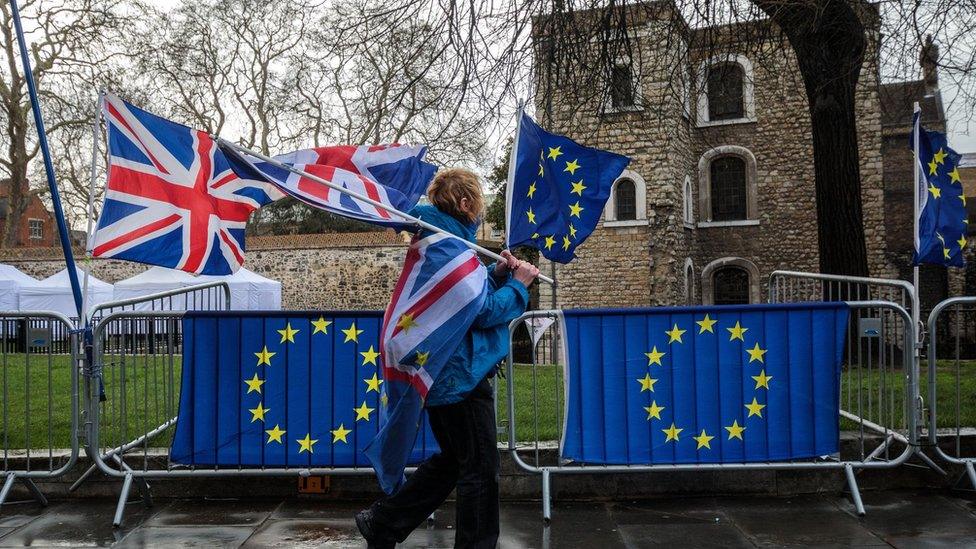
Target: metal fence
x=877 y=418
x=952 y=364
x=39 y=388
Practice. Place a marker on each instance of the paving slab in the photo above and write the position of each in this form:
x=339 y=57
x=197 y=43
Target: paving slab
x=75 y=524
x=333 y=533
x=13 y=516
x=913 y=515
x=573 y=525
x=166 y=537
x=213 y=512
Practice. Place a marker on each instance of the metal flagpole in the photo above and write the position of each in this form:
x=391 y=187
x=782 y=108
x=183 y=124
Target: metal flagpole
x=916 y=313
x=69 y=258
x=96 y=131
x=366 y=199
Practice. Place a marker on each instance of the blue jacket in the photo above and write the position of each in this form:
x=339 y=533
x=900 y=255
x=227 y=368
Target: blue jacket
x=486 y=343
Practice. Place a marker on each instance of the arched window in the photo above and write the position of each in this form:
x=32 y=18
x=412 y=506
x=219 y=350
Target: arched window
x=689 y=282
x=730 y=286
x=688 y=208
x=625 y=201
x=728 y=188
x=725 y=91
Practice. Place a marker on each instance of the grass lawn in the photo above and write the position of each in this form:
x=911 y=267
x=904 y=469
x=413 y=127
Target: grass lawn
x=541 y=422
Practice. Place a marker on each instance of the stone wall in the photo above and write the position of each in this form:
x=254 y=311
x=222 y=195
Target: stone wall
x=330 y=271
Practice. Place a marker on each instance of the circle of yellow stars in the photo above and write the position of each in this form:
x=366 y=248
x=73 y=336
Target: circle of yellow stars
x=676 y=335
x=369 y=358
x=576 y=187
x=956 y=191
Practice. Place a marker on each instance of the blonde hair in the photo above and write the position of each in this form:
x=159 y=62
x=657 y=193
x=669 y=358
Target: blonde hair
x=450 y=186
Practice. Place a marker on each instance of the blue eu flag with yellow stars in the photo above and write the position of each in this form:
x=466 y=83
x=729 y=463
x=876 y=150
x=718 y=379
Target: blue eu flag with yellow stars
x=942 y=218
x=288 y=389
x=731 y=384
x=556 y=191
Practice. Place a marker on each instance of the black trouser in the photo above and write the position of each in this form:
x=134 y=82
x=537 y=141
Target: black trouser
x=468 y=460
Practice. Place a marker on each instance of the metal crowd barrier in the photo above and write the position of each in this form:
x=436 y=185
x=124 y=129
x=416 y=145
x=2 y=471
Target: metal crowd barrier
x=39 y=405
x=878 y=415
x=952 y=357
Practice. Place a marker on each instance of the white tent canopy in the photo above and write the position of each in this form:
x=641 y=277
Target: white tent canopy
x=250 y=291
x=153 y=281
x=12 y=281
x=54 y=294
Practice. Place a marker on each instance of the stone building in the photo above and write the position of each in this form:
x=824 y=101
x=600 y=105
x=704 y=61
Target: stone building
x=720 y=189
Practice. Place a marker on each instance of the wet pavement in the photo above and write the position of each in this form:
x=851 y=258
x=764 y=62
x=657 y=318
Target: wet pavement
x=894 y=519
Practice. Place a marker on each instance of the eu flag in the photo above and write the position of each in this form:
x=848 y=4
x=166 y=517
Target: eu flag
x=703 y=384
x=295 y=389
x=557 y=190
x=942 y=216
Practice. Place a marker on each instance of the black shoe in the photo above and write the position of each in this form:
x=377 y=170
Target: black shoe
x=364 y=521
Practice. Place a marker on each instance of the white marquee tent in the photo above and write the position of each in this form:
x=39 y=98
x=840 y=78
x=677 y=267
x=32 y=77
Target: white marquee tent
x=250 y=291
x=153 y=281
x=54 y=294
x=12 y=281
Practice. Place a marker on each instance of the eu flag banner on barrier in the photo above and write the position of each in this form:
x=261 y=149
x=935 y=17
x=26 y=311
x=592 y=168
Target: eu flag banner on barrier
x=291 y=389
x=727 y=384
x=556 y=191
x=943 y=220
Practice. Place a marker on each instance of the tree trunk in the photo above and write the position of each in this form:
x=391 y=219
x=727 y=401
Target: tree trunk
x=828 y=38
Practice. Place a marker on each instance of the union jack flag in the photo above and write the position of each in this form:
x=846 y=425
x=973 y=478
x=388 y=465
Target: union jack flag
x=172 y=197
x=393 y=174
x=435 y=301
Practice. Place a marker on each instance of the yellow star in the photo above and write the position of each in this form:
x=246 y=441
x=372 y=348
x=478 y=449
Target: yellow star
x=647 y=383
x=421 y=359
x=554 y=152
x=550 y=240
x=940 y=237
x=933 y=167
x=264 y=357
x=531 y=192
x=305 y=444
x=954 y=176
x=258 y=413
x=706 y=324
x=755 y=409
x=572 y=231
x=373 y=384
x=962 y=242
x=654 y=357
x=756 y=354
x=737 y=332
x=735 y=430
x=674 y=334
x=963 y=198
x=566 y=243
x=575 y=209
x=274 y=435
x=531 y=215
x=703 y=440
x=405 y=323
x=369 y=356
x=321 y=325
x=535 y=235
x=340 y=434
x=939 y=157
x=288 y=334
x=352 y=334
x=935 y=191
x=363 y=411
x=384 y=400
x=578 y=188
x=254 y=384
x=762 y=380
x=571 y=167
x=671 y=433
x=541 y=170
x=946 y=253
x=653 y=411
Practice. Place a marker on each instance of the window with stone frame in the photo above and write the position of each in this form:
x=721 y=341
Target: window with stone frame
x=725 y=83
x=622 y=91
x=689 y=283
x=688 y=210
x=35 y=229
x=729 y=195
x=730 y=286
x=625 y=200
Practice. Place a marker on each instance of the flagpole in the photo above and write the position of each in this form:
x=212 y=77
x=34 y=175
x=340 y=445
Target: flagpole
x=52 y=184
x=368 y=200
x=916 y=304
x=510 y=181
x=96 y=131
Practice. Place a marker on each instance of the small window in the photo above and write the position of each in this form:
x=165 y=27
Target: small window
x=725 y=92
x=728 y=188
x=621 y=87
x=689 y=210
x=689 y=283
x=625 y=202
x=36 y=229
x=731 y=286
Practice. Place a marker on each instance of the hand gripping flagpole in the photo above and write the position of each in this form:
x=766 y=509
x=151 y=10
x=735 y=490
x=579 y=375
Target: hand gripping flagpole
x=69 y=258
x=368 y=200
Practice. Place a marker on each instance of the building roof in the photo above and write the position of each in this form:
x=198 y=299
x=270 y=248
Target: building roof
x=898 y=99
